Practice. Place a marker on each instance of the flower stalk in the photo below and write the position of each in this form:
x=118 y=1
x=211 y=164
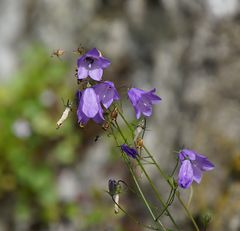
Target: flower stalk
x=94 y=101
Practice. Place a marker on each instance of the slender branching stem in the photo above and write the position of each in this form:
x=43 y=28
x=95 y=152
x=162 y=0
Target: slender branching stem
x=187 y=211
x=157 y=193
x=138 y=186
x=162 y=173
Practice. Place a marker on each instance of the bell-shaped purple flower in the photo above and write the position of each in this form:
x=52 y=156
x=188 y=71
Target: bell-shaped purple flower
x=129 y=151
x=92 y=64
x=89 y=107
x=192 y=167
x=106 y=93
x=142 y=101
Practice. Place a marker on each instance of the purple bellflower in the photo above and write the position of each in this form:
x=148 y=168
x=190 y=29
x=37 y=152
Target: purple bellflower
x=92 y=64
x=129 y=151
x=192 y=167
x=106 y=93
x=142 y=101
x=89 y=107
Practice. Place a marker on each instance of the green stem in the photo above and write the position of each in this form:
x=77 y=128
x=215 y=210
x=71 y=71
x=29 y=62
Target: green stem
x=149 y=179
x=157 y=165
x=120 y=131
x=187 y=211
x=144 y=199
x=163 y=174
x=132 y=217
x=157 y=193
x=137 y=185
x=128 y=125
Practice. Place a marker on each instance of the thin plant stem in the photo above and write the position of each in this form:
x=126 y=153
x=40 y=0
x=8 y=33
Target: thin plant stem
x=190 y=196
x=149 y=179
x=163 y=174
x=169 y=202
x=187 y=211
x=138 y=187
x=144 y=199
x=132 y=217
x=157 y=193
x=120 y=131
x=157 y=165
x=128 y=125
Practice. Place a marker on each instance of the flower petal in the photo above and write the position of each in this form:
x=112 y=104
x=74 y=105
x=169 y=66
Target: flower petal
x=145 y=106
x=105 y=93
x=187 y=154
x=89 y=103
x=80 y=61
x=153 y=97
x=138 y=112
x=203 y=163
x=197 y=174
x=93 y=53
x=134 y=94
x=96 y=74
x=99 y=117
x=185 y=176
x=103 y=62
x=82 y=119
x=82 y=72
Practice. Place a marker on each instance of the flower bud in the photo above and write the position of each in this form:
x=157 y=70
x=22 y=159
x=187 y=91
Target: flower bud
x=112 y=187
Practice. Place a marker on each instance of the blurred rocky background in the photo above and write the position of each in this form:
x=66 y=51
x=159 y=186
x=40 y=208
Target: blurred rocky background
x=189 y=50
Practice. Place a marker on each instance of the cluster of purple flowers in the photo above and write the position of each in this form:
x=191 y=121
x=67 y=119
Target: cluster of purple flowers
x=95 y=98
x=91 y=99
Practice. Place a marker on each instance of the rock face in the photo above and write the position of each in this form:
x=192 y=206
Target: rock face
x=188 y=50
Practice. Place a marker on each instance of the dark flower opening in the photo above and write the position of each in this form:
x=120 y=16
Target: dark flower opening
x=89 y=60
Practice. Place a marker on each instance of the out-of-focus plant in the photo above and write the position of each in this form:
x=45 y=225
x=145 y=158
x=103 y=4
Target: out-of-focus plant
x=31 y=151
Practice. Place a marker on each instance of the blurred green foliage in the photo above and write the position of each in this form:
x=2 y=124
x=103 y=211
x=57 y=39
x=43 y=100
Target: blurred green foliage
x=31 y=149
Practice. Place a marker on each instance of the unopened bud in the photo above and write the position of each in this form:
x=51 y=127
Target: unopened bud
x=114 y=188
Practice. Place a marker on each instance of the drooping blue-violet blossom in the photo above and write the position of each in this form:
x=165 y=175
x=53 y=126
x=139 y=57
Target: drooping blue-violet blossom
x=92 y=64
x=88 y=107
x=142 y=101
x=106 y=93
x=192 y=167
x=129 y=151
